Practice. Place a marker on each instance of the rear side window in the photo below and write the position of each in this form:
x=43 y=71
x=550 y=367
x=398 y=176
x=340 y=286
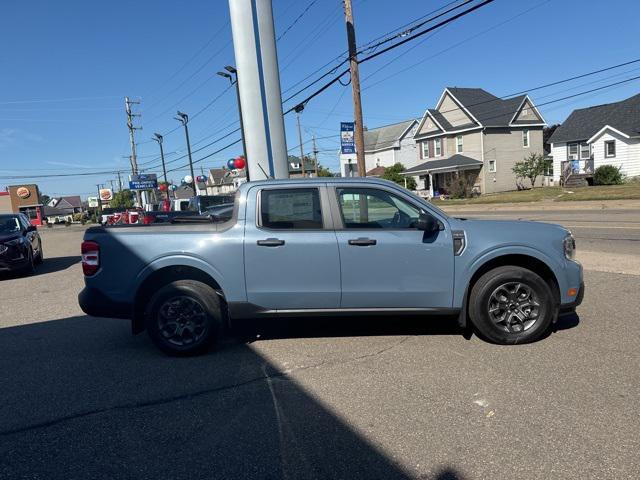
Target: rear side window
x=290 y=209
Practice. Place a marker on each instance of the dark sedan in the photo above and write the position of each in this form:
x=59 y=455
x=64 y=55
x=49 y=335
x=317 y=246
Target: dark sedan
x=20 y=244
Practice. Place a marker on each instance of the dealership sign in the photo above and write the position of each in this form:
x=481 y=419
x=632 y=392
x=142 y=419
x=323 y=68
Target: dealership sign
x=347 y=143
x=148 y=181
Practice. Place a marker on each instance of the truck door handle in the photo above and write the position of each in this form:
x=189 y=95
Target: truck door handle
x=270 y=242
x=362 y=242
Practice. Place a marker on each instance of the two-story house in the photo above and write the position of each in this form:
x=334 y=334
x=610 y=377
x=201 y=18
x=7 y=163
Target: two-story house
x=475 y=134
x=384 y=147
x=606 y=134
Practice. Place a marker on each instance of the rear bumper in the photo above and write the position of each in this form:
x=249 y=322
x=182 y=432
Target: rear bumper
x=567 y=308
x=95 y=303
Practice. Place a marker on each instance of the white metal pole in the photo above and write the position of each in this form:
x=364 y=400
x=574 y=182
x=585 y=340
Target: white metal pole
x=259 y=87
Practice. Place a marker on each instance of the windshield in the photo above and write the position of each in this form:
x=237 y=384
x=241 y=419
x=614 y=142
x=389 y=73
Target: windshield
x=9 y=225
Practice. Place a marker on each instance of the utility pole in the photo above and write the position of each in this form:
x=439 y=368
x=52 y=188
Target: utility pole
x=132 y=129
x=300 y=108
x=112 y=187
x=355 y=88
x=119 y=182
x=315 y=154
x=99 y=215
x=184 y=119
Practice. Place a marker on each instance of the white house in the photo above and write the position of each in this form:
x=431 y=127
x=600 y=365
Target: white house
x=384 y=147
x=606 y=134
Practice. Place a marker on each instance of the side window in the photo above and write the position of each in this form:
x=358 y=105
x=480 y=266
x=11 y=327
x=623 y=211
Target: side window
x=290 y=209
x=369 y=208
x=24 y=221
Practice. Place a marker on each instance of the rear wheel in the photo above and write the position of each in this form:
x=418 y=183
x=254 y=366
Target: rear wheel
x=184 y=318
x=510 y=305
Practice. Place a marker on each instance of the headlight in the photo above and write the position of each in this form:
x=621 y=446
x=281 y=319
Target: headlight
x=13 y=243
x=569 y=247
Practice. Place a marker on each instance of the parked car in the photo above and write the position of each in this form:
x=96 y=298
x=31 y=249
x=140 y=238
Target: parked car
x=330 y=247
x=20 y=244
x=201 y=203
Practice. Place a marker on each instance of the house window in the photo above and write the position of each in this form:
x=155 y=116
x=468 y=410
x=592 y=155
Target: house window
x=585 y=151
x=610 y=148
x=573 y=151
x=525 y=138
x=437 y=147
x=425 y=149
x=525 y=112
x=459 y=143
x=492 y=166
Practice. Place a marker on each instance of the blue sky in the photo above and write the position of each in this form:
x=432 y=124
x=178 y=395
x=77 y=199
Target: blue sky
x=66 y=67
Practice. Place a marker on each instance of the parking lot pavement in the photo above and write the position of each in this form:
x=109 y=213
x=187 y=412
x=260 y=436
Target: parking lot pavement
x=342 y=398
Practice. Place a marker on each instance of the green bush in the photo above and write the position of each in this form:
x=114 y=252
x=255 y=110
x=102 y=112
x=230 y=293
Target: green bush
x=608 y=175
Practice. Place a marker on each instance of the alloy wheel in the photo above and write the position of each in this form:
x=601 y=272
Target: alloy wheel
x=514 y=307
x=182 y=321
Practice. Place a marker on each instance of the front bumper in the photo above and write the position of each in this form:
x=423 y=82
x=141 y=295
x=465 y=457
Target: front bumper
x=12 y=259
x=95 y=303
x=568 y=308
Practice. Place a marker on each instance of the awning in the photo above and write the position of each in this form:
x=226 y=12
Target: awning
x=454 y=163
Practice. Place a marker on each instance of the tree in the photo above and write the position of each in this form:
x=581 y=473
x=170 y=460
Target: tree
x=123 y=199
x=531 y=167
x=324 y=172
x=45 y=199
x=394 y=174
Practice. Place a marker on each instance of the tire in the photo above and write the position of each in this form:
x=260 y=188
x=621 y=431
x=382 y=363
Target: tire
x=40 y=258
x=184 y=318
x=30 y=267
x=503 y=310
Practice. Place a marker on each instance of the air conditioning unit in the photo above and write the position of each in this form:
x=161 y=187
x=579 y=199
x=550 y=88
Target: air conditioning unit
x=573 y=157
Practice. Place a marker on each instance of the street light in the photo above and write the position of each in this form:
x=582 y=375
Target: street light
x=184 y=119
x=158 y=138
x=233 y=78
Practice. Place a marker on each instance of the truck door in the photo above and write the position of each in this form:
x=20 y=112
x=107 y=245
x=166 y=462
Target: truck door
x=386 y=262
x=291 y=250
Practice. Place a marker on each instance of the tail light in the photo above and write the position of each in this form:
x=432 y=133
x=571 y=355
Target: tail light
x=90 y=258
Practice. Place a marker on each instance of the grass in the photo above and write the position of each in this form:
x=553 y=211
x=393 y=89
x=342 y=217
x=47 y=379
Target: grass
x=628 y=191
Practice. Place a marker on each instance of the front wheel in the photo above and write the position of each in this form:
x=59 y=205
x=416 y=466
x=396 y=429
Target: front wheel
x=510 y=305
x=184 y=318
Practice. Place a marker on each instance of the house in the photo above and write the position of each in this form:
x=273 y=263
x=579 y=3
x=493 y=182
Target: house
x=606 y=134
x=66 y=205
x=295 y=167
x=477 y=136
x=383 y=147
x=222 y=180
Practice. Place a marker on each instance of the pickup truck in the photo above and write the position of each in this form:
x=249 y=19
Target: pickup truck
x=330 y=247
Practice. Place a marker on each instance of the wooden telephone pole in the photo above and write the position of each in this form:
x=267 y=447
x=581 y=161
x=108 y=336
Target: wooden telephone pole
x=355 y=88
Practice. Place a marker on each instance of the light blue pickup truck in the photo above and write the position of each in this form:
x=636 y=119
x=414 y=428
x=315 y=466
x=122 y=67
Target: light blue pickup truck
x=330 y=247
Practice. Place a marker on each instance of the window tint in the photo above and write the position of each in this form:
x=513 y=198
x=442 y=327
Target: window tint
x=368 y=208
x=291 y=208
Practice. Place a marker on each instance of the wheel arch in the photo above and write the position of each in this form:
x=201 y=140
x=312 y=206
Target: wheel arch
x=163 y=276
x=523 y=260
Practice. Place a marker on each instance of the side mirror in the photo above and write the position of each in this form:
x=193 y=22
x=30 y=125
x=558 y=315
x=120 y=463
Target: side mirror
x=428 y=223
x=31 y=228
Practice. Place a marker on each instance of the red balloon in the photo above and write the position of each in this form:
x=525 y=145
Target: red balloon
x=239 y=163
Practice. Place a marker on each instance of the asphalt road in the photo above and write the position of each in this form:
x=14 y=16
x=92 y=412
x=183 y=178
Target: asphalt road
x=81 y=398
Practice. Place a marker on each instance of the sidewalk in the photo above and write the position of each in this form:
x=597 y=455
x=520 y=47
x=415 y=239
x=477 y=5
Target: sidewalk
x=544 y=206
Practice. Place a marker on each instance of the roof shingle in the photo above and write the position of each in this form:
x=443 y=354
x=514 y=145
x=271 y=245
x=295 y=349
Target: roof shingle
x=583 y=123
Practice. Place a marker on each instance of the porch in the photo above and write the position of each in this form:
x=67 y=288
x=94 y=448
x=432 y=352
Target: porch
x=441 y=178
x=576 y=173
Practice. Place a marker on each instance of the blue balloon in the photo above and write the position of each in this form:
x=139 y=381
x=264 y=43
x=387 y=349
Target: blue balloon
x=231 y=163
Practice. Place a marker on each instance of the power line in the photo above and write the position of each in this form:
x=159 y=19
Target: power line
x=296 y=20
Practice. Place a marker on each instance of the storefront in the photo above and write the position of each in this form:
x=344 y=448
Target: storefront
x=23 y=199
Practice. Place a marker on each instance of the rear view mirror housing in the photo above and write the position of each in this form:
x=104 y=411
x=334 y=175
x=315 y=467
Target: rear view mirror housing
x=428 y=223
